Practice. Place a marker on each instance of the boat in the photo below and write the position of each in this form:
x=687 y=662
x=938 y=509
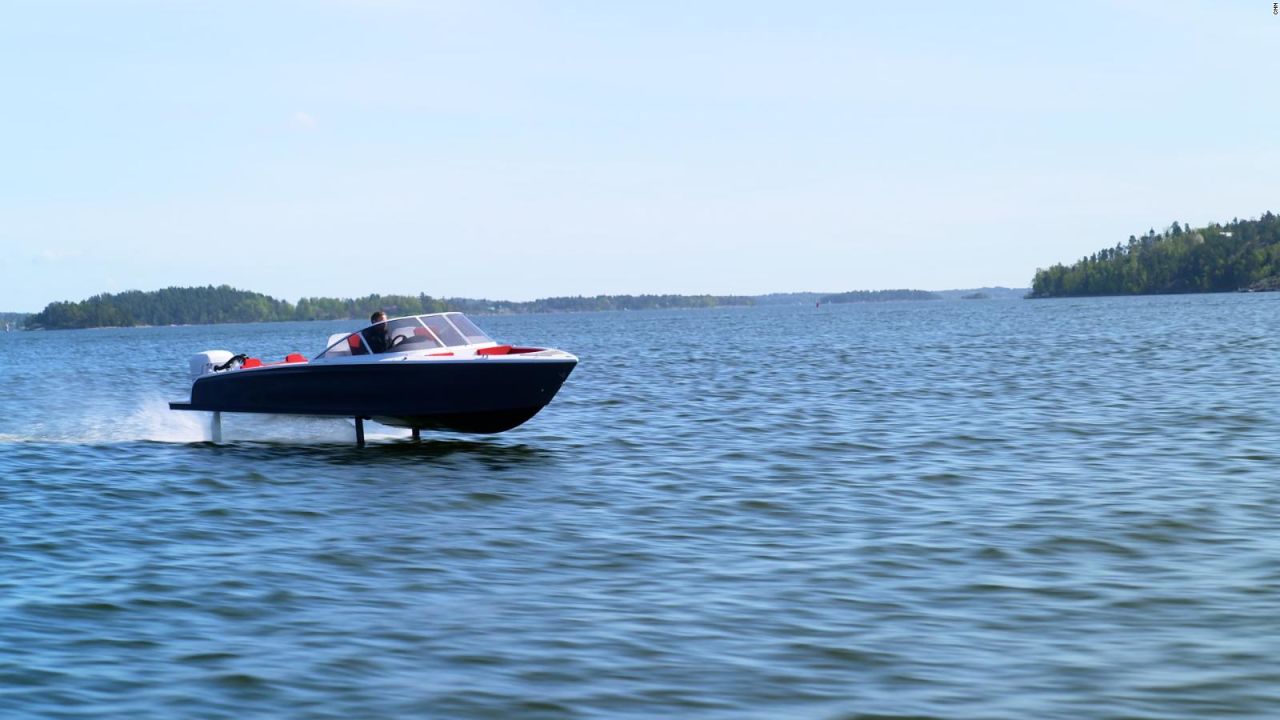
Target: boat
x=437 y=371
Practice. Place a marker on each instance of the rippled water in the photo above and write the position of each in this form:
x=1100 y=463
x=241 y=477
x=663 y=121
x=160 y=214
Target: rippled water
x=949 y=509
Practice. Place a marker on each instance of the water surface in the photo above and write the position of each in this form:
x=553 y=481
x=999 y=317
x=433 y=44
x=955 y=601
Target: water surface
x=933 y=509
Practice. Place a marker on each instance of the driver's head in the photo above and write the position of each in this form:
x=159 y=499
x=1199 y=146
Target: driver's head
x=378 y=317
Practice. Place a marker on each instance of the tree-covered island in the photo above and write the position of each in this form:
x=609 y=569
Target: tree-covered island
x=1241 y=255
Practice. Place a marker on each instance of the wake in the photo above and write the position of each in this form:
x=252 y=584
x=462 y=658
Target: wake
x=151 y=420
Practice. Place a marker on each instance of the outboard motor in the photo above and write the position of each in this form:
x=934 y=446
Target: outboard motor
x=210 y=361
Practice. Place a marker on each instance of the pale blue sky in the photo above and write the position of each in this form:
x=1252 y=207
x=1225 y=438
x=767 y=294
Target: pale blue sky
x=519 y=149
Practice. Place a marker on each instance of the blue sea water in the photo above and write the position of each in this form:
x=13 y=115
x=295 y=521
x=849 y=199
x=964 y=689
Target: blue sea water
x=999 y=509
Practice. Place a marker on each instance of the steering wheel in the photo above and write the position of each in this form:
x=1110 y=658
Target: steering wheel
x=398 y=341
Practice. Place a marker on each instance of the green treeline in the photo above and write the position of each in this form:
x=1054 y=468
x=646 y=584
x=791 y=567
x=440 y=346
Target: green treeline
x=855 y=296
x=224 y=304
x=1244 y=254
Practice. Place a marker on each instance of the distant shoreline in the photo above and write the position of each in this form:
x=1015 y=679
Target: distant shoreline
x=179 y=307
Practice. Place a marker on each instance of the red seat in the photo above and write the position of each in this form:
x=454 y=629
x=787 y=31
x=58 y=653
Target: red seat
x=251 y=363
x=294 y=358
x=498 y=350
x=357 y=347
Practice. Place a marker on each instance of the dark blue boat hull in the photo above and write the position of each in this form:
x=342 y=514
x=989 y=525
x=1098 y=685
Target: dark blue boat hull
x=475 y=396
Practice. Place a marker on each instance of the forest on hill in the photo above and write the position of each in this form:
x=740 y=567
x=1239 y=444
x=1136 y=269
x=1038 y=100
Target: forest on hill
x=224 y=304
x=1240 y=255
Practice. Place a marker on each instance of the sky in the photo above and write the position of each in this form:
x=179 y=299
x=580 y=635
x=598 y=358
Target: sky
x=516 y=150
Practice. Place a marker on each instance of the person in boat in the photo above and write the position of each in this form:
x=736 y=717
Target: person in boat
x=378 y=336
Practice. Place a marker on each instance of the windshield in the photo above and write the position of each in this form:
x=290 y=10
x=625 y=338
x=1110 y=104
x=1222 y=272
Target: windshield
x=468 y=329
x=400 y=335
x=423 y=332
x=444 y=330
x=344 y=344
